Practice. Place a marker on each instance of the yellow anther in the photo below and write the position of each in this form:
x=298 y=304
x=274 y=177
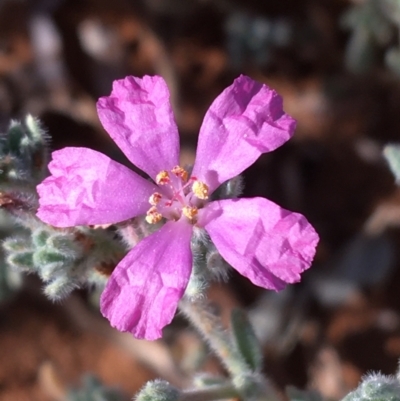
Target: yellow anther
x=200 y=190
x=180 y=172
x=162 y=177
x=190 y=212
x=153 y=216
x=155 y=199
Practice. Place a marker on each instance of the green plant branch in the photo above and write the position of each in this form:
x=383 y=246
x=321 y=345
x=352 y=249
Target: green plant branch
x=209 y=326
x=217 y=392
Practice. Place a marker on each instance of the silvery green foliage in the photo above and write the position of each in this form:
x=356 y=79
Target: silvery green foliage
x=158 y=390
x=245 y=340
x=64 y=259
x=373 y=25
x=23 y=154
x=376 y=387
x=23 y=163
x=204 y=380
x=10 y=279
x=392 y=59
x=392 y=155
x=208 y=265
x=93 y=390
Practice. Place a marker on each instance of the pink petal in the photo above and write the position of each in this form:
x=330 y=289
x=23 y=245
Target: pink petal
x=87 y=187
x=243 y=122
x=143 y=292
x=269 y=245
x=139 y=118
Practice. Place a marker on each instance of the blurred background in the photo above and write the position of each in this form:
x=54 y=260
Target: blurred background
x=336 y=64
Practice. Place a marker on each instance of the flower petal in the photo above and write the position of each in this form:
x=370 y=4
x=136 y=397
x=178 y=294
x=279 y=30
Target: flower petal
x=243 y=122
x=87 y=187
x=139 y=118
x=143 y=292
x=269 y=245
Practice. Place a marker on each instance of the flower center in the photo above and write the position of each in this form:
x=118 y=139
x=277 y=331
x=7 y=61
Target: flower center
x=178 y=197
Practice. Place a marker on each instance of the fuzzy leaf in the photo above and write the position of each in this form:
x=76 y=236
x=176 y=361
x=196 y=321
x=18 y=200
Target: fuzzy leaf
x=392 y=155
x=39 y=237
x=16 y=244
x=65 y=245
x=45 y=257
x=15 y=135
x=204 y=380
x=392 y=60
x=60 y=288
x=246 y=340
x=376 y=387
x=21 y=260
x=158 y=390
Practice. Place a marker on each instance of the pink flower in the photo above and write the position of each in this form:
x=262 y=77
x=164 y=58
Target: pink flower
x=267 y=244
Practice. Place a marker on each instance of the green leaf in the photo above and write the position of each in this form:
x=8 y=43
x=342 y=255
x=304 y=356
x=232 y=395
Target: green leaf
x=245 y=340
x=21 y=260
x=15 y=134
x=16 y=244
x=204 y=380
x=47 y=256
x=392 y=60
x=39 y=237
x=376 y=387
x=158 y=390
x=392 y=155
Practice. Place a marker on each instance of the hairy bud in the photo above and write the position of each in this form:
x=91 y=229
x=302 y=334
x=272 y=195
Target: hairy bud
x=158 y=390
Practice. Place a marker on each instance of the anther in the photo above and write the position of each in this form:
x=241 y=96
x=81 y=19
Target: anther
x=190 y=212
x=180 y=172
x=162 y=178
x=153 y=216
x=200 y=190
x=155 y=199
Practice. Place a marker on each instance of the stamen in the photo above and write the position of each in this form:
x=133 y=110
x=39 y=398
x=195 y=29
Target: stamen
x=180 y=172
x=155 y=199
x=162 y=178
x=200 y=190
x=190 y=212
x=153 y=216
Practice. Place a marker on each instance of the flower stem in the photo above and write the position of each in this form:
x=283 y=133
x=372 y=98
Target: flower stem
x=217 y=392
x=209 y=325
x=247 y=383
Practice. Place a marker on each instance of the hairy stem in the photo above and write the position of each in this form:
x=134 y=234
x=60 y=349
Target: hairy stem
x=217 y=392
x=245 y=382
x=209 y=326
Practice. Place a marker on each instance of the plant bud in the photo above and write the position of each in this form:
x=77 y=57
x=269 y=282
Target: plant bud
x=158 y=390
x=376 y=387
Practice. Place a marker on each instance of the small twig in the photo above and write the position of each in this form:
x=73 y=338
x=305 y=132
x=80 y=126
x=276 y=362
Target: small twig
x=220 y=392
